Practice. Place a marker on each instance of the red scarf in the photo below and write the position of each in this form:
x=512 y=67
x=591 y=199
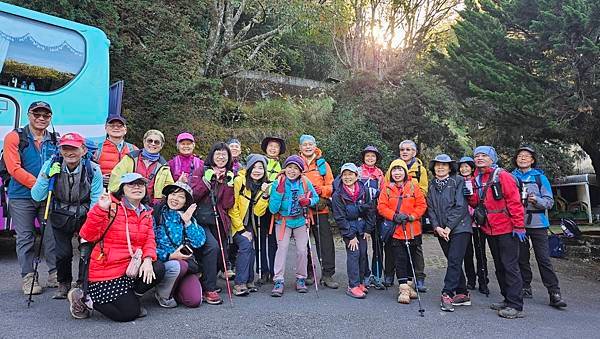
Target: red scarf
x=353 y=195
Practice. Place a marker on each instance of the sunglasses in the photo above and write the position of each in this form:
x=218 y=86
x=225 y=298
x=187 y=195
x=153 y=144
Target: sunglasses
x=44 y=116
x=154 y=141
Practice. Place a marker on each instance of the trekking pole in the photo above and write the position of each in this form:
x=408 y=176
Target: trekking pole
x=258 y=243
x=307 y=223
x=412 y=266
x=43 y=225
x=213 y=200
x=482 y=257
x=378 y=260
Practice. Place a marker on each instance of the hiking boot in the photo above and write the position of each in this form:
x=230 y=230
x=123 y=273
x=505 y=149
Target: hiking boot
x=388 y=281
x=310 y=280
x=510 y=313
x=446 y=303
x=483 y=289
x=356 y=292
x=421 y=285
x=212 y=298
x=413 y=291
x=28 y=281
x=252 y=287
x=328 y=281
x=240 y=290
x=52 y=280
x=143 y=312
x=62 y=291
x=364 y=288
x=498 y=306
x=471 y=285
x=277 y=290
x=404 y=294
x=527 y=293
x=77 y=307
x=165 y=302
x=462 y=299
x=556 y=300
x=301 y=285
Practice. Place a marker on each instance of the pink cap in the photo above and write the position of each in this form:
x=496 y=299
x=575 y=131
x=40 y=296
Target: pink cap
x=71 y=139
x=185 y=136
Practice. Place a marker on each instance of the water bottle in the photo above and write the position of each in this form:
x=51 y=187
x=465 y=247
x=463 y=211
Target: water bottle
x=468 y=187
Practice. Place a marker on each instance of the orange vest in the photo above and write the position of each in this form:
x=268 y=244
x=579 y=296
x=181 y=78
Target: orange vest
x=109 y=155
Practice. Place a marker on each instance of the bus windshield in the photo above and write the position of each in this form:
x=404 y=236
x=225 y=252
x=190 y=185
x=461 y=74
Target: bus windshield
x=36 y=56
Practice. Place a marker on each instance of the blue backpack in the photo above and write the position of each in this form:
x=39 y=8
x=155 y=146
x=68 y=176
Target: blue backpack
x=556 y=245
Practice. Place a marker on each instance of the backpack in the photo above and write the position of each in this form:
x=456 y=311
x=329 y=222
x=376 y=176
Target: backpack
x=556 y=246
x=23 y=143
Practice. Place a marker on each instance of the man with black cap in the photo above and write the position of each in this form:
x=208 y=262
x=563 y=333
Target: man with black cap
x=536 y=197
x=114 y=148
x=25 y=150
x=498 y=211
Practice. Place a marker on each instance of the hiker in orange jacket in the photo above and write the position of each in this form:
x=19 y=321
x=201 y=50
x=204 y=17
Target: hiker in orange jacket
x=318 y=171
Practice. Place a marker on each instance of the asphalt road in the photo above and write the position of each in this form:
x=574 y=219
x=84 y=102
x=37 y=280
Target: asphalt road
x=331 y=314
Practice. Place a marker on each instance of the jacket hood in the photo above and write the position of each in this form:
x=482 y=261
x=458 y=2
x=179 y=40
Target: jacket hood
x=532 y=172
x=396 y=163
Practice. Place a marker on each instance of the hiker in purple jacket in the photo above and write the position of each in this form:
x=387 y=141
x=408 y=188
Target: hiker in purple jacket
x=184 y=163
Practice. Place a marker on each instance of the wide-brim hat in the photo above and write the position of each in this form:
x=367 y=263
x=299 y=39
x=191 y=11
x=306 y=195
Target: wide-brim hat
x=442 y=158
x=372 y=149
x=265 y=142
x=179 y=185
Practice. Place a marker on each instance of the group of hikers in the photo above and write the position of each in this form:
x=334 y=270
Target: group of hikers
x=144 y=223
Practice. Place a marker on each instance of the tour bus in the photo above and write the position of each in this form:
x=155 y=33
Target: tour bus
x=61 y=62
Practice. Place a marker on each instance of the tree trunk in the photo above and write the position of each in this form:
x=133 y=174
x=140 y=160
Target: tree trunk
x=592 y=148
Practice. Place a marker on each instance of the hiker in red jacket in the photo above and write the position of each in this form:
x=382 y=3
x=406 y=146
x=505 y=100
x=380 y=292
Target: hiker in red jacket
x=499 y=212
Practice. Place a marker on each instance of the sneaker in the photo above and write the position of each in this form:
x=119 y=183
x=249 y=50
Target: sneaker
x=240 y=290
x=143 y=312
x=378 y=284
x=165 y=302
x=483 y=289
x=77 y=307
x=510 y=313
x=28 y=282
x=446 y=303
x=556 y=300
x=356 y=292
x=421 y=286
x=498 y=306
x=462 y=300
x=527 y=293
x=310 y=280
x=471 y=285
x=212 y=298
x=329 y=282
x=301 y=285
x=277 y=290
x=388 y=281
x=252 y=287
x=62 y=291
x=52 y=280
x=364 y=288
x=230 y=274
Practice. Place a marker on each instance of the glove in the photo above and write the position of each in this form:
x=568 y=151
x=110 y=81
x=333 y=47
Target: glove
x=304 y=202
x=520 y=233
x=318 y=190
x=209 y=174
x=229 y=177
x=281 y=184
x=54 y=169
x=400 y=218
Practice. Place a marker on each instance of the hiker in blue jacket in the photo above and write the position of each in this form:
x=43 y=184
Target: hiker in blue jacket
x=536 y=196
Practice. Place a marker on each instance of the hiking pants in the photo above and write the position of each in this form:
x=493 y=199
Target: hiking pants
x=127 y=306
x=244 y=266
x=539 y=241
x=356 y=262
x=390 y=259
x=505 y=251
x=64 y=257
x=454 y=250
x=23 y=213
x=224 y=243
x=268 y=246
x=180 y=284
x=325 y=246
x=301 y=237
x=402 y=260
x=419 y=261
x=476 y=248
x=211 y=255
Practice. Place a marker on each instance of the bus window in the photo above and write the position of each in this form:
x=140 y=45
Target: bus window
x=36 y=56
